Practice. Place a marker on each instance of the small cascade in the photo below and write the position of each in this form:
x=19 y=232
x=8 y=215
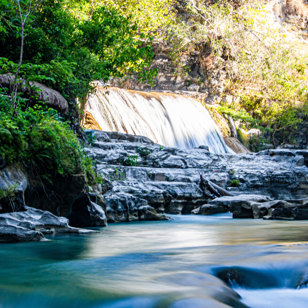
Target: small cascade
x=167 y=119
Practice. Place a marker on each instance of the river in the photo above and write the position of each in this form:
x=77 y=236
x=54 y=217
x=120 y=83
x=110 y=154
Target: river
x=160 y=264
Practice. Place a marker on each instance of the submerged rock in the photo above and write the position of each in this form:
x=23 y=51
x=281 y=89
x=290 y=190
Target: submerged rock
x=205 y=290
x=248 y=278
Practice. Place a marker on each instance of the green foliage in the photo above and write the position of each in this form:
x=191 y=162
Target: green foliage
x=112 y=37
x=43 y=143
x=131 y=160
x=235 y=183
x=117 y=175
x=143 y=152
x=9 y=192
x=267 y=70
x=152 y=17
x=241 y=114
x=67 y=53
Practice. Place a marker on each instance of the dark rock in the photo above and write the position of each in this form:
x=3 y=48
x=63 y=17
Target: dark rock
x=59 y=197
x=209 y=209
x=289 y=210
x=204 y=147
x=249 y=278
x=303 y=281
x=13 y=183
x=147 y=212
x=19 y=234
x=2 y=163
x=86 y=213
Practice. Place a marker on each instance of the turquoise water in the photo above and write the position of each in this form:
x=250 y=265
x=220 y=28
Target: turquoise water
x=139 y=264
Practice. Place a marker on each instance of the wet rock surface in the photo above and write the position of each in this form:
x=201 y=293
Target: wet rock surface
x=146 y=181
x=68 y=197
x=142 y=174
x=32 y=224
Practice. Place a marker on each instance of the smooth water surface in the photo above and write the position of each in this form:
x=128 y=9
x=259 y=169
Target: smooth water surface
x=139 y=264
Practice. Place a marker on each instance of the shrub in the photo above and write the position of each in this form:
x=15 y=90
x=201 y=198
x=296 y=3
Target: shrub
x=131 y=160
x=265 y=69
x=39 y=139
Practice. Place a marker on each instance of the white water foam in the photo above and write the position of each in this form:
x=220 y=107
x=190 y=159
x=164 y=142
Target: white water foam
x=167 y=119
x=280 y=298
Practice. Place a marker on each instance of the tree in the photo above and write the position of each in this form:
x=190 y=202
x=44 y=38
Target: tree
x=24 y=11
x=67 y=53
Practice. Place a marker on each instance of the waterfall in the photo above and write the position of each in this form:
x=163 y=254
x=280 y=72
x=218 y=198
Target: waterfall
x=167 y=119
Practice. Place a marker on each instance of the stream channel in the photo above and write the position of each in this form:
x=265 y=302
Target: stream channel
x=161 y=264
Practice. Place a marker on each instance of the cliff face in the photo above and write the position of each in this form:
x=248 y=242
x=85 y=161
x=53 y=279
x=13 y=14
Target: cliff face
x=294 y=12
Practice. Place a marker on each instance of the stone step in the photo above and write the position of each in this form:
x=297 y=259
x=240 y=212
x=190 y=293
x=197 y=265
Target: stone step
x=151 y=174
x=147 y=176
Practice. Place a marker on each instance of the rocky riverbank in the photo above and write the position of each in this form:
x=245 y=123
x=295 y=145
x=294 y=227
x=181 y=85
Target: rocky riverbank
x=146 y=181
x=68 y=197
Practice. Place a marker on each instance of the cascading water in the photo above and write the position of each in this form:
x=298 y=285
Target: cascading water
x=167 y=119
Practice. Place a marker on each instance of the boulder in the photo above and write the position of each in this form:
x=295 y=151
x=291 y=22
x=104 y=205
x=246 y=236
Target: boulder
x=261 y=209
x=240 y=205
x=147 y=212
x=86 y=213
x=289 y=210
x=233 y=201
x=31 y=224
x=209 y=209
x=122 y=206
x=19 y=234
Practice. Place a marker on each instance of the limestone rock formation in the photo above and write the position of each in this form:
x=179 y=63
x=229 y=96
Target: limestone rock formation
x=142 y=174
x=32 y=224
